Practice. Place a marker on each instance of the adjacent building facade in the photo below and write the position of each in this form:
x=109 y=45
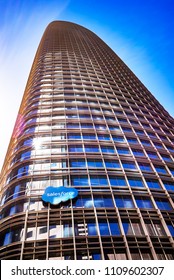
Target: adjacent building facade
x=86 y=122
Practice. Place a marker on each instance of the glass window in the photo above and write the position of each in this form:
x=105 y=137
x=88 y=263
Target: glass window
x=103 y=227
x=168 y=185
x=172 y=171
x=25 y=155
x=123 y=151
x=77 y=163
x=100 y=126
x=144 y=166
x=103 y=137
x=131 y=228
x=117 y=181
x=28 y=142
x=108 y=149
x=126 y=129
x=143 y=202
x=132 y=140
x=89 y=136
x=160 y=169
x=139 y=132
x=129 y=165
x=103 y=201
x=76 y=148
x=153 y=184
x=163 y=204
x=112 y=127
x=67 y=230
x=7 y=238
x=166 y=158
x=158 y=145
x=171 y=149
x=171 y=229
x=127 y=228
x=86 y=125
x=72 y=125
x=83 y=201
x=95 y=163
x=118 y=138
x=98 y=180
x=112 y=163
x=145 y=142
x=151 y=134
x=79 y=181
x=152 y=155
x=90 y=149
x=92 y=230
x=135 y=182
x=138 y=152
x=74 y=136
x=124 y=202
x=114 y=228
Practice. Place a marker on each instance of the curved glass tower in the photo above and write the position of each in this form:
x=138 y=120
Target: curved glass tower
x=87 y=122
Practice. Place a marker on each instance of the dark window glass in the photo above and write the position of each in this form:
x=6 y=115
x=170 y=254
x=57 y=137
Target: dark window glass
x=103 y=227
x=89 y=137
x=124 y=202
x=152 y=155
x=135 y=182
x=100 y=126
x=168 y=185
x=118 y=138
x=139 y=132
x=103 y=137
x=153 y=184
x=145 y=166
x=114 y=228
x=163 y=204
x=84 y=201
x=143 y=202
x=111 y=127
x=132 y=140
x=107 y=149
x=138 y=153
x=98 y=180
x=157 y=145
x=103 y=201
x=166 y=158
x=123 y=151
x=79 y=181
x=171 y=229
x=90 y=149
x=126 y=129
x=76 y=148
x=25 y=155
x=160 y=169
x=95 y=163
x=129 y=165
x=112 y=163
x=117 y=181
x=92 y=230
x=145 y=142
x=72 y=125
x=77 y=163
x=86 y=125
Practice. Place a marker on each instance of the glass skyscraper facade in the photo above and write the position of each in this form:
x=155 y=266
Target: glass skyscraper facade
x=87 y=122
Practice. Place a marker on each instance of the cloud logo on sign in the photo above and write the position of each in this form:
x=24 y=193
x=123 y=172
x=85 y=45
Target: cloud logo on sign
x=55 y=195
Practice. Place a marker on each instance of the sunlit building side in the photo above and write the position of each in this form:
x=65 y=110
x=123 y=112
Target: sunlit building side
x=87 y=122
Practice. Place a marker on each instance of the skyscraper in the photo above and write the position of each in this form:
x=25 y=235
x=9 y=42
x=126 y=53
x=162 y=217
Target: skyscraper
x=88 y=125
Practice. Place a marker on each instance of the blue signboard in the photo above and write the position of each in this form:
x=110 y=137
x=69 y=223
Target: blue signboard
x=56 y=195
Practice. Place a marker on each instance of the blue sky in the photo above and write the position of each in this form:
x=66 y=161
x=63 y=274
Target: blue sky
x=140 y=32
